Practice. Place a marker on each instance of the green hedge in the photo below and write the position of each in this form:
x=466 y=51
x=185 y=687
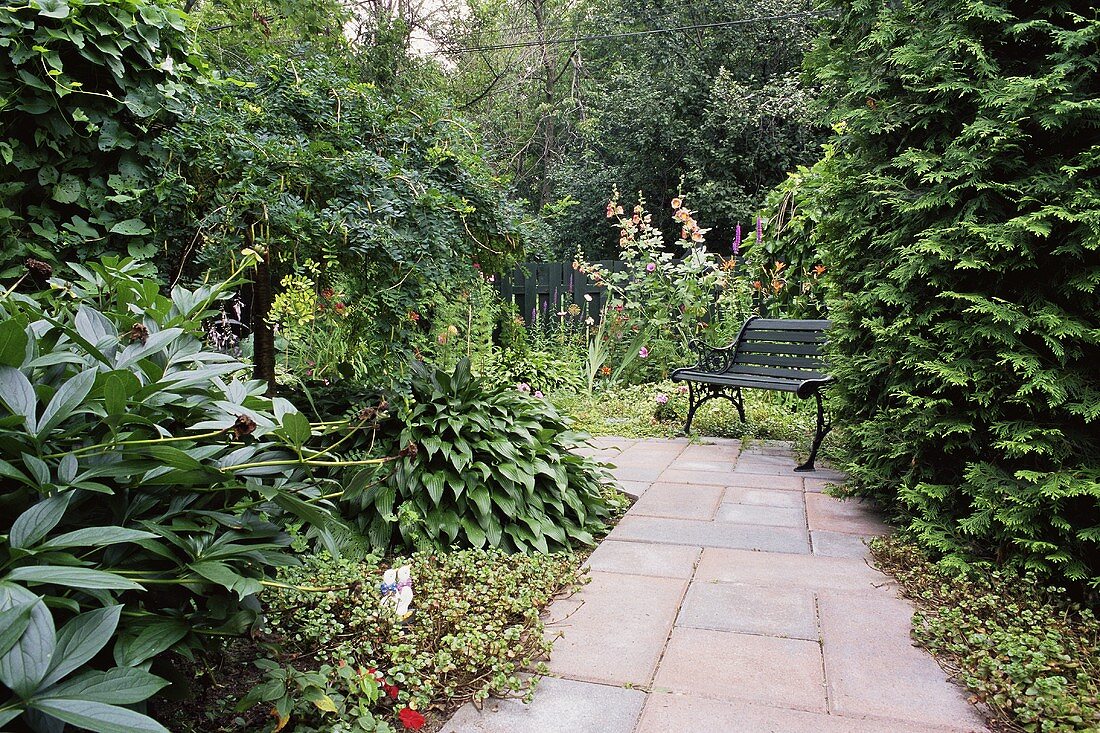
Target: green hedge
x=961 y=227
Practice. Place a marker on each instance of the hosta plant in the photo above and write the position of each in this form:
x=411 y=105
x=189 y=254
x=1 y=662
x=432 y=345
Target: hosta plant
x=491 y=467
x=142 y=480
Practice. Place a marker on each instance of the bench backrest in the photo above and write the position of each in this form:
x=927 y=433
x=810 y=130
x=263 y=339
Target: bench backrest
x=781 y=348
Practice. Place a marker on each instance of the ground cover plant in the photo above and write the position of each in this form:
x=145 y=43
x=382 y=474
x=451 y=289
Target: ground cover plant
x=475 y=630
x=1020 y=646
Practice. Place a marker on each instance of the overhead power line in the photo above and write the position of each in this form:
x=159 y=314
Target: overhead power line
x=628 y=34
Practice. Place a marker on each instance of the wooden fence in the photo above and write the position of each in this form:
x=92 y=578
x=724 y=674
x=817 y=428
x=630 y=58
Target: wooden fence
x=547 y=287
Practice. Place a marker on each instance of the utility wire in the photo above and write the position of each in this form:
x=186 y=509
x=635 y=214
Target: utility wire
x=629 y=34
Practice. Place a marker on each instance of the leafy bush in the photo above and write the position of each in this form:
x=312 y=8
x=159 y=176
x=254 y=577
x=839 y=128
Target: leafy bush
x=492 y=467
x=960 y=220
x=474 y=631
x=141 y=478
x=85 y=86
x=1033 y=658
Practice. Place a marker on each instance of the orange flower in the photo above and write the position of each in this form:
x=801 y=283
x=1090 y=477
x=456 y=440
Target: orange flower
x=756 y=284
x=606 y=371
x=777 y=285
x=819 y=269
x=414 y=316
x=610 y=209
x=697 y=236
x=779 y=266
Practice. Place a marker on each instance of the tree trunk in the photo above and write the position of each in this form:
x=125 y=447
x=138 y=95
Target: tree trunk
x=263 y=332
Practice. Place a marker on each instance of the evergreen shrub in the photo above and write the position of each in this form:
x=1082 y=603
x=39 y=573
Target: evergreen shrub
x=960 y=219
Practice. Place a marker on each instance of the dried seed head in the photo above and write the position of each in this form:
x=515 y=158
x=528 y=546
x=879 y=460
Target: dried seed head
x=138 y=332
x=38 y=267
x=244 y=426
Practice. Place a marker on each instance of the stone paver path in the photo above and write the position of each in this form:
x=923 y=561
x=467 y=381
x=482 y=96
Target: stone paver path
x=733 y=597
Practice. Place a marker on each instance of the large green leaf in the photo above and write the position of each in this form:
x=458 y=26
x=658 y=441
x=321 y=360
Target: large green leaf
x=225 y=576
x=67 y=398
x=36 y=522
x=81 y=639
x=297 y=429
x=13 y=622
x=96 y=537
x=98 y=717
x=84 y=578
x=25 y=664
x=119 y=686
x=18 y=396
x=151 y=641
x=13 y=342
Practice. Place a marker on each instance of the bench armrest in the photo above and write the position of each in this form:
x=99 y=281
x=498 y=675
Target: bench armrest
x=712 y=359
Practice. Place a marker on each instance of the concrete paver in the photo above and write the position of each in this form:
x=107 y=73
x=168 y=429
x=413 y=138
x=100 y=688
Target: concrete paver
x=734 y=596
x=619 y=632
x=564 y=706
x=711 y=534
x=730 y=666
x=787 y=612
x=640 y=558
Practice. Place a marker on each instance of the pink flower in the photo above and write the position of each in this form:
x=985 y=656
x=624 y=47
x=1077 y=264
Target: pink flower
x=523 y=387
x=538 y=393
x=650 y=267
x=643 y=353
x=661 y=399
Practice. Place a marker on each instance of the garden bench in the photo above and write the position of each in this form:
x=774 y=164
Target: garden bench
x=778 y=354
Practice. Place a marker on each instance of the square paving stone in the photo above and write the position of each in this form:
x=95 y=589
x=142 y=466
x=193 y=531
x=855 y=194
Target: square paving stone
x=644 y=474
x=668 y=713
x=839 y=544
x=851 y=516
x=683 y=501
x=789 y=571
x=818 y=485
x=787 y=612
x=730 y=666
x=725 y=453
x=560 y=706
x=634 y=488
x=775 y=516
x=676 y=475
x=618 y=634
x=764 y=497
x=613 y=441
x=712 y=465
x=711 y=534
x=873 y=668
x=766 y=481
x=640 y=558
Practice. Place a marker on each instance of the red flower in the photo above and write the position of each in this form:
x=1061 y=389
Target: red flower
x=327 y=293
x=340 y=308
x=391 y=690
x=411 y=719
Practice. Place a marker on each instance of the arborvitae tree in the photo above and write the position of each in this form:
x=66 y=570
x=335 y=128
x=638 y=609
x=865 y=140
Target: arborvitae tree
x=960 y=221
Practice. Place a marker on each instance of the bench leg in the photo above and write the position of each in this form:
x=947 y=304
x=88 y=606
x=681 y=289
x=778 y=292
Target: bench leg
x=823 y=429
x=695 y=401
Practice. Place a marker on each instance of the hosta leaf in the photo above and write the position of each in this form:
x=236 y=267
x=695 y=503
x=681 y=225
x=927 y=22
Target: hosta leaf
x=474 y=533
x=480 y=497
x=434 y=483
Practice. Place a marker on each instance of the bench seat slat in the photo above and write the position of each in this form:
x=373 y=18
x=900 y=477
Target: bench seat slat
x=733 y=379
x=776 y=372
x=813 y=337
x=749 y=347
x=783 y=324
x=814 y=363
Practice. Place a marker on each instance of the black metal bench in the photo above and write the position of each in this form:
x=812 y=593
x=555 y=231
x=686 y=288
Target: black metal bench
x=779 y=354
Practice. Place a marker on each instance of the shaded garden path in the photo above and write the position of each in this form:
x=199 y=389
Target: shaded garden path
x=734 y=596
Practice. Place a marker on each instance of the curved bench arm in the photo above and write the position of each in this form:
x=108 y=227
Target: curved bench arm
x=810 y=386
x=712 y=359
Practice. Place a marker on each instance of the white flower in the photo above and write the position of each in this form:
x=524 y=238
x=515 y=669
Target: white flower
x=588 y=297
x=590 y=320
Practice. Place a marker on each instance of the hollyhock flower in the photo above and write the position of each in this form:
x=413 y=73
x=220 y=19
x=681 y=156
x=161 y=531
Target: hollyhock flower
x=643 y=353
x=650 y=267
x=697 y=236
x=737 y=240
x=411 y=719
x=661 y=399
x=676 y=202
x=610 y=209
x=759 y=229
